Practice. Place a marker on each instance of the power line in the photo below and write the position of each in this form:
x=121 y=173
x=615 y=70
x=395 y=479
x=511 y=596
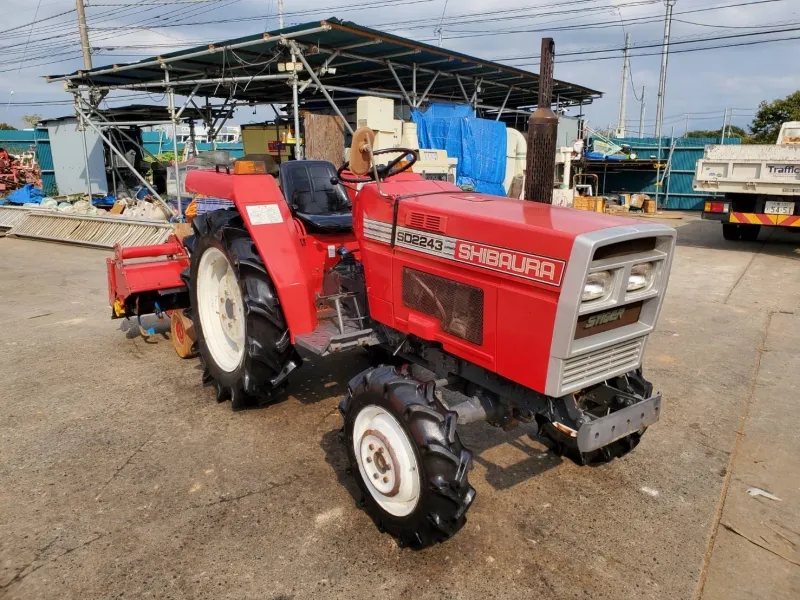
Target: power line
x=35 y=14
x=681 y=41
x=647 y=19
x=685 y=50
x=35 y=20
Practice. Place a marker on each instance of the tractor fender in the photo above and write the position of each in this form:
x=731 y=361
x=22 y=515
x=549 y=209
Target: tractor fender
x=269 y=221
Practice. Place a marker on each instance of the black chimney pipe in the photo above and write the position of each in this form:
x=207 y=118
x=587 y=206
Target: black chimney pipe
x=540 y=163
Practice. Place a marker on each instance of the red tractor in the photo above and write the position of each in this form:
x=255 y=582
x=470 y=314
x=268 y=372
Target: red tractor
x=525 y=311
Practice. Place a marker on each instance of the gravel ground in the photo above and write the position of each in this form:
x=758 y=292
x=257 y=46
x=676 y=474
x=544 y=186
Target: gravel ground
x=120 y=476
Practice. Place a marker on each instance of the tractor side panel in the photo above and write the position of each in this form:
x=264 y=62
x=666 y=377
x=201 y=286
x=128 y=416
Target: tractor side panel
x=525 y=320
x=439 y=302
x=376 y=257
x=269 y=221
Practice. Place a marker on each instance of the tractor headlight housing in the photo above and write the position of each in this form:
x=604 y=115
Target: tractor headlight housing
x=597 y=287
x=641 y=278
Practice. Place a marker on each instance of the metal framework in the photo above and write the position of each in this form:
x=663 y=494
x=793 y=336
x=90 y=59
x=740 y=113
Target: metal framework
x=337 y=59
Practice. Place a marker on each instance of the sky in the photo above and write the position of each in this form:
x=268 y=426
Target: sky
x=589 y=36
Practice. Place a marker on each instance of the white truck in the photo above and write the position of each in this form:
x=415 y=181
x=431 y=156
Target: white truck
x=760 y=185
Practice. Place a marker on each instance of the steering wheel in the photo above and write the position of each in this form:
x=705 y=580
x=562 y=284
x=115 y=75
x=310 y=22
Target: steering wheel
x=384 y=171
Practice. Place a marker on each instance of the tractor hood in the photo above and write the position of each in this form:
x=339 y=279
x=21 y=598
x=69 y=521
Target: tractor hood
x=509 y=234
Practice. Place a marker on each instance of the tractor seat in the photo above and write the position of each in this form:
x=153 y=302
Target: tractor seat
x=321 y=205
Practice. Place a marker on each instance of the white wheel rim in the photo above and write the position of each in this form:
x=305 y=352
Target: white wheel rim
x=386 y=460
x=221 y=309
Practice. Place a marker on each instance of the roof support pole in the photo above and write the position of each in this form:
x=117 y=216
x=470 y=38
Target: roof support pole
x=503 y=106
x=123 y=159
x=298 y=147
x=188 y=100
x=221 y=119
x=414 y=84
x=399 y=83
x=322 y=89
x=181 y=82
x=319 y=71
x=463 y=91
x=337 y=88
x=91 y=110
x=172 y=113
x=474 y=99
x=428 y=89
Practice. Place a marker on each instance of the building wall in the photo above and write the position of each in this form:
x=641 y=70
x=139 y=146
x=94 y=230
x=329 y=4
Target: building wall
x=677 y=192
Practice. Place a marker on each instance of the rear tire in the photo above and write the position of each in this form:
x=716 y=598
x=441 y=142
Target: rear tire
x=242 y=335
x=731 y=232
x=749 y=233
x=420 y=493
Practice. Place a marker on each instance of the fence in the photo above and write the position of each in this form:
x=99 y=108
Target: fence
x=676 y=192
x=157 y=142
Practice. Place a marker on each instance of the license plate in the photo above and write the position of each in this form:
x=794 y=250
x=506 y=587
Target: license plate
x=779 y=208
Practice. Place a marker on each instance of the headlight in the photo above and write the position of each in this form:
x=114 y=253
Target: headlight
x=598 y=285
x=641 y=277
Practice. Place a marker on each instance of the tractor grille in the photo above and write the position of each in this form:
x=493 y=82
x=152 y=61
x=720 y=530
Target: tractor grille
x=599 y=365
x=458 y=307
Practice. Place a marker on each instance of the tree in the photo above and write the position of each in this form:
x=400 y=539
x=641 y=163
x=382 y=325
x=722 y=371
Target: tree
x=731 y=131
x=771 y=115
x=7 y=127
x=31 y=120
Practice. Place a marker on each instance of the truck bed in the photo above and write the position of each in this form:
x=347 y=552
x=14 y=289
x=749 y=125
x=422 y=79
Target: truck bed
x=750 y=169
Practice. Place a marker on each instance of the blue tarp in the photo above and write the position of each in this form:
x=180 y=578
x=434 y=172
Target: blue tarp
x=106 y=202
x=478 y=144
x=25 y=195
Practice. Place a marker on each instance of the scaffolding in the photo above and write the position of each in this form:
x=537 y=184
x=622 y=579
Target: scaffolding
x=336 y=59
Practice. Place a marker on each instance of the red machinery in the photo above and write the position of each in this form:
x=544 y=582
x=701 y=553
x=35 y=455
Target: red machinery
x=527 y=312
x=14 y=173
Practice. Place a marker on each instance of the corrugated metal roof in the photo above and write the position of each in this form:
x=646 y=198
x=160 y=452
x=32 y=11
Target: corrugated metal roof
x=361 y=57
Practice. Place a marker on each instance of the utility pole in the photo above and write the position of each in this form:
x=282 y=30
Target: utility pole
x=686 y=133
x=438 y=30
x=623 y=95
x=662 y=82
x=641 y=113
x=724 y=124
x=280 y=14
x=87 y=52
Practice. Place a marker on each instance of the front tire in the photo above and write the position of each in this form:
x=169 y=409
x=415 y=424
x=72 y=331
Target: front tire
x=406 y=457
x=242 y=335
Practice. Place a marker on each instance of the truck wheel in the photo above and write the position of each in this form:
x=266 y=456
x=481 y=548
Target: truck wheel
x=731 y=231
x=749 y=233
x=241 y=331
x=405 y=455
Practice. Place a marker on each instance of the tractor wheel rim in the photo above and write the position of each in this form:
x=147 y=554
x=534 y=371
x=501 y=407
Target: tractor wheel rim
x=179 y=333
x=221 y=309
x=386 y=460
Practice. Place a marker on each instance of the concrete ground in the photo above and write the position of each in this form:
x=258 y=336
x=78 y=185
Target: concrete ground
x=120 y=476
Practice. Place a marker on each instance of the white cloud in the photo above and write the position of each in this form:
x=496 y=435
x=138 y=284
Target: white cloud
x=700 y=82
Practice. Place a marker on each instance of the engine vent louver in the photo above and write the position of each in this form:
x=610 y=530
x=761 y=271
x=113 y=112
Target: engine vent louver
x=419 y=220
x=458 y=307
